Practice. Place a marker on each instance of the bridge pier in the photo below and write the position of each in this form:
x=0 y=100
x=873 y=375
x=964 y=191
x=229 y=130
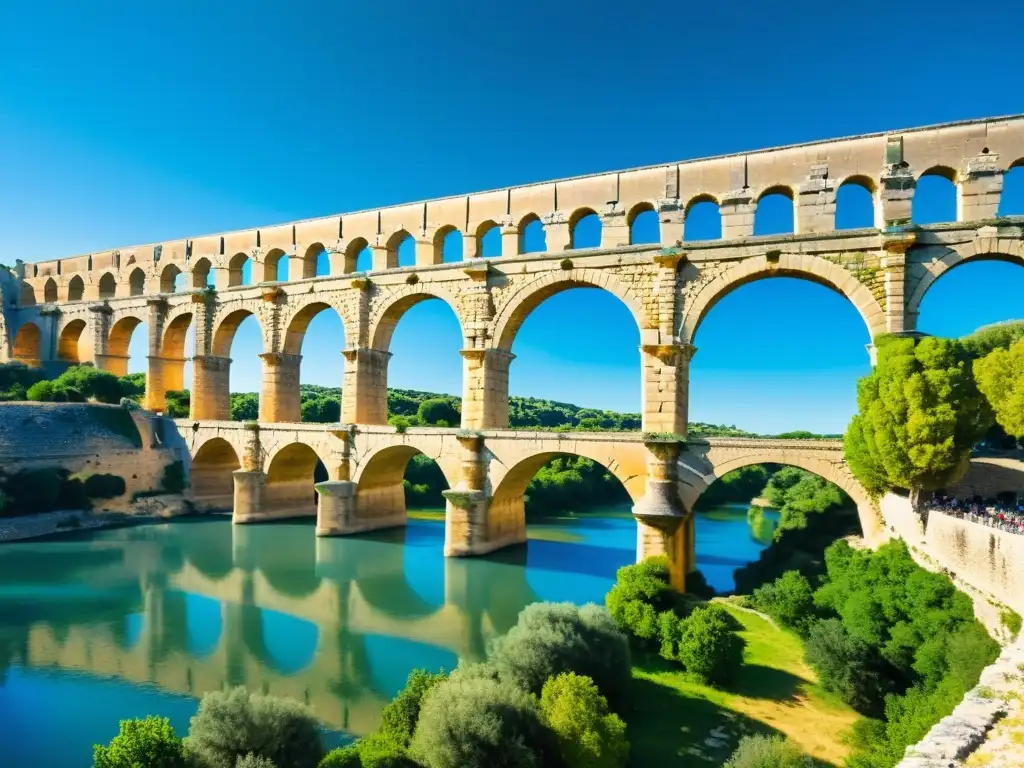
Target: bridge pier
x=485 y=388
x=336 y=509
x=163 y=375
x=473 y=524
x=364 y=395
x=666 y=387
x=279 y=394
x=249 y=492
x=664 y=528
x=211 y=394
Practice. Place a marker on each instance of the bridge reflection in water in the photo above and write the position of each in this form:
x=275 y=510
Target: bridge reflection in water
x=194 y=606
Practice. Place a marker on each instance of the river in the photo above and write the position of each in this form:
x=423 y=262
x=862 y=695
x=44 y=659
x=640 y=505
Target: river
x=105 y=625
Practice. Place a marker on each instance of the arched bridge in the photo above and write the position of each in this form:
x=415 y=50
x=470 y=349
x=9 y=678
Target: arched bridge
x=266 y=472
x=86 y=308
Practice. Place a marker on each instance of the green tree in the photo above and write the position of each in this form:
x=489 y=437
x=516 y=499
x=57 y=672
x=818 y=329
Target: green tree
x=342 y=757
x=232 y=724
x=438 y=410
x=1000 y=376
x=133 y=386
x=178 y=403
x=321 y=410
x=708 y=646
x=480 y=723
x=588 y=735
x=399 y=716
x=920 y=413
x=789 y=600
x=997 y=336
x=92 y=383
x=245 y=406
x=149 y=743
x=552 y=638
x=846 y=666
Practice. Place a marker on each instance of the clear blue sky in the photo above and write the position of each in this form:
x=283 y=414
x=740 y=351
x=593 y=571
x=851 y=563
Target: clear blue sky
x=124 y=123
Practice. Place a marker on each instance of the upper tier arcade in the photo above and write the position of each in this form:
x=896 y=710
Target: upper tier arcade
x=974 y=155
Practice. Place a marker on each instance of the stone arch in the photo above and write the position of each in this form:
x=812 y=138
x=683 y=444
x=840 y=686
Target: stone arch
x=634 y=213
x=514 y=312
x=117 y=344
x=440 y=235
x=212 y=483
x=289 y=490
x=483 y=229
x=27 y=295
x=107 y=286
x=175 y=335
x=299 y=323
x=506 y=510
x=856 y=184
x=723 y=462
x=695 y=201
x=271 y=265
x=352 y=251
x=201 y=272
x=782 y=192
x=50 y=291
x=67 y=342
x=309 y=259
x=386 y=317
x=224 y=336
x=394 y=243
x=168 y=277
x=235 y=266
x=28 y=345
x=524 y=223
x=76 y=288
x=981 y=249
x=574 y=220
x=812 y=268
x=380 y=491
x=137 y=282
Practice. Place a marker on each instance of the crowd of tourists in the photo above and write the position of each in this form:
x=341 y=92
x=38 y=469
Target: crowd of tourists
x=1006 y=515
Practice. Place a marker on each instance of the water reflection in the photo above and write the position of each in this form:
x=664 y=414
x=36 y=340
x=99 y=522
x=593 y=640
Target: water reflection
x=143 y=620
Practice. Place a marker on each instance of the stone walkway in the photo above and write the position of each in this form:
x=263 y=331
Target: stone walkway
x=986 y=728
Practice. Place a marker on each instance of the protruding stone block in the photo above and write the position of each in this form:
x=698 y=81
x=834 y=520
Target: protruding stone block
x=336 y=508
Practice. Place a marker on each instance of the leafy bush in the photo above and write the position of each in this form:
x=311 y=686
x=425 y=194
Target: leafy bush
x=104 y=486
x=232 y=724
x=398 y=718
x=437 y=410
x=151 y=743
x=708 y=647
x=551 y=638
x=640 y=592
x=588 y=735
x=789 y=600
x=760 y=751
x=479 y=723
x=92 y=383
x=342 y=757
x=846 y=666
x=378 y=752
x=400 y=423
x=47 y=392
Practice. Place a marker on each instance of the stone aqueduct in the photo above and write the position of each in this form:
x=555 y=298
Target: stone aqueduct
x=85 y=309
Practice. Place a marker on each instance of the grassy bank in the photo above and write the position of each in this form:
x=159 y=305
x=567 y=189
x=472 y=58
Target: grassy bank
x=679 y=722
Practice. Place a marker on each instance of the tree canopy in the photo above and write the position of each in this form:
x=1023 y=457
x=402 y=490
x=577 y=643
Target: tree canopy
x=920 y=413
x=1000 y=377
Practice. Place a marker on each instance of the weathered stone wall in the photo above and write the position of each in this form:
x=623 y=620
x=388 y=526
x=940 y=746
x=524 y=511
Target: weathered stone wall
x=990 y=476
x=76 y=437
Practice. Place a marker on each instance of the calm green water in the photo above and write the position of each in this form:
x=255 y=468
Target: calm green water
x=96 y=627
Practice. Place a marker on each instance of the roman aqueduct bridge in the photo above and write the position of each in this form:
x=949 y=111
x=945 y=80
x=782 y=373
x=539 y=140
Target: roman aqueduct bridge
x=85 y=308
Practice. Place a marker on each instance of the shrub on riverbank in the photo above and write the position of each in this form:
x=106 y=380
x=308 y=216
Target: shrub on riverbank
x=789 y=600
x=151 y=742
x=230 y=725
x=701 y=638
x=479 y=723
x=552 y=638
x=588 y=735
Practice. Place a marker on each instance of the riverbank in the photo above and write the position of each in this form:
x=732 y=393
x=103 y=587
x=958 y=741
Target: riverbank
x=680 y=722
x=146 y=510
